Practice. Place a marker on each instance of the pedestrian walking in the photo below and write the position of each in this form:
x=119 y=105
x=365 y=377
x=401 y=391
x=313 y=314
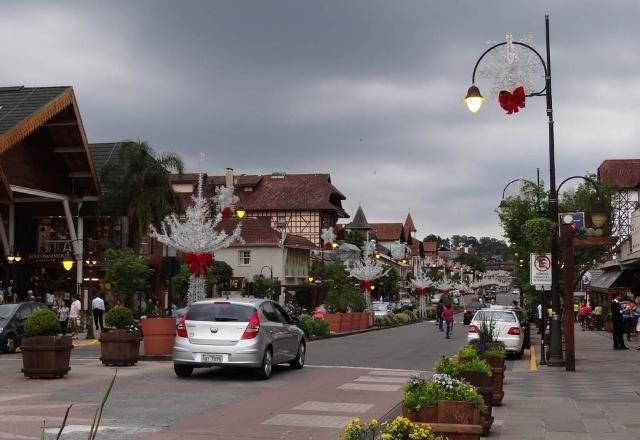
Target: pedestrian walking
x=74 y=316
x=439 y=310
x=97 y=307
x=597 y=312
x=618 y=323
x=627 y=318
x=576 y=310
x=62 y=312
x=447 y=316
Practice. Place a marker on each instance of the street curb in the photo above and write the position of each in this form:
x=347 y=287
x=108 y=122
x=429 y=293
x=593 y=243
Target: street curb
x=357 y=332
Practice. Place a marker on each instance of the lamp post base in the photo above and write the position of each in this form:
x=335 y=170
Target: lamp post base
x=555 y=355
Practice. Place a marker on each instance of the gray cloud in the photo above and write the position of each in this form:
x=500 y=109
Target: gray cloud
x=369 y=91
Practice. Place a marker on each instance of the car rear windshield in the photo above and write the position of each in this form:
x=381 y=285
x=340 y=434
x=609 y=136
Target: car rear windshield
x=220 y=312
x=485 y=315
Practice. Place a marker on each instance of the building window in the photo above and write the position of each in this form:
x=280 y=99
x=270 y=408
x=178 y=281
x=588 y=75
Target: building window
x=244 y=258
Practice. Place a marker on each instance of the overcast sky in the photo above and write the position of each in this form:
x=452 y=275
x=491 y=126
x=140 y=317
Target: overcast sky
x=368 y=91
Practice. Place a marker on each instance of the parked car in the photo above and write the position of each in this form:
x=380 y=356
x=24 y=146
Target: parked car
x=241 y=332
x=470 y=309
x=381 y=309
x=508 y=328
x=12 y=319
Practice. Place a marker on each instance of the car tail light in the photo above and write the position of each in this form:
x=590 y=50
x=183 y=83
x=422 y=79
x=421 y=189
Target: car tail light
x=474 y=329
x=181 y=328
x=253 y=327
x=514 y=331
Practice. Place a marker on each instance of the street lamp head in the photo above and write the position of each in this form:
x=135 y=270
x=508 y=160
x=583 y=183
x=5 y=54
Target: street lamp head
x=598 y=214
x=310 y=279
x=17 y=258
x=473 y=99
x=240 y=212
x=503 y=206
x=67 y=262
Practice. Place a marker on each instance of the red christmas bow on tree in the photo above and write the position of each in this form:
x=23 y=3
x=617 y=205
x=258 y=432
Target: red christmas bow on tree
x=420 y=291
x=512 y=102
x=365 y=285
x=198 y=263
x=328 y=246
x=227 y=212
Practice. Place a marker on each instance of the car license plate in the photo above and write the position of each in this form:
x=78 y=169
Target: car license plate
x=213 y=358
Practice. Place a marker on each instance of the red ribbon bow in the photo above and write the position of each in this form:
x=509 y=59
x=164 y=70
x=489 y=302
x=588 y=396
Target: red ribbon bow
x=365 y=285
x=420 y=291
x=512 y=102
x=227 y=212
x=198 y=263
x=328 y=246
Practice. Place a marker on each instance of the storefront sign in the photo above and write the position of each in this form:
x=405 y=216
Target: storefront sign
x=43 y=257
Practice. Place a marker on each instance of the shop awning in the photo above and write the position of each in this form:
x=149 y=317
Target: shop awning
x=606 y=280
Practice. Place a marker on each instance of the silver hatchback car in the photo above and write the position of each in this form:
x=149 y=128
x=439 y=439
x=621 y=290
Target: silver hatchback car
x=241 y=332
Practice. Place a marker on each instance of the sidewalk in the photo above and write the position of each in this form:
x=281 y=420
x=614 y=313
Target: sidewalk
x=599 y=401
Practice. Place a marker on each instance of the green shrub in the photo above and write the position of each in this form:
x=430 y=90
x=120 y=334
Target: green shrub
x=401 y=318
x=319 y=327
x=419 y=393
x=448 y=366
x=42 y=322
x=467 y=352
x=431 y=313
x=119 y=317
x=496 y=349
x=476 y=365
x=306 y=325
x=393 y=320
x=380 y=321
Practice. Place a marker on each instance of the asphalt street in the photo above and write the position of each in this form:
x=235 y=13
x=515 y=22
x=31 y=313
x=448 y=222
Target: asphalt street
x=357 y=375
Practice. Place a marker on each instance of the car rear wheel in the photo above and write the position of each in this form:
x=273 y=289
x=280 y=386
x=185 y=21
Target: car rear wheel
x=9 y=344
x=264 y=371
x=298 y=362
x=182 y=370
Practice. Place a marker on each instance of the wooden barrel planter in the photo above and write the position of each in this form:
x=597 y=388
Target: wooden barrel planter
x=159 y=335
x=497 y=367
x=119 y=347
x=451 y=419
x=484 y=385
x=46 y=356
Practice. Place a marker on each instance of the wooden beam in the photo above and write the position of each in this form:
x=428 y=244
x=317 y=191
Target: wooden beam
x=70 y=149
x=61 y=124
x=80 y=174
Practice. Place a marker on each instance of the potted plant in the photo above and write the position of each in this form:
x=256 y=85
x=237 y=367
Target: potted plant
x=120 y=345
x=467 y=352
x=44 y=352
x=494 y=353
x=399 y=428
x=452 y=407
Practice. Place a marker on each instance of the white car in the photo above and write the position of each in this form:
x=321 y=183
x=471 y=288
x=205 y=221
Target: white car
x=381 y=309
x=507 y=328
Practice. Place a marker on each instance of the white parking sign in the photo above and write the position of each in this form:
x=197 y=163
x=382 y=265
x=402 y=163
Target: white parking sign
x=540 y=270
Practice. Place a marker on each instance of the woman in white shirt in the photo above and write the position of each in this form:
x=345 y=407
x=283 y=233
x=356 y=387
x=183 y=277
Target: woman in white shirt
x=61 y=309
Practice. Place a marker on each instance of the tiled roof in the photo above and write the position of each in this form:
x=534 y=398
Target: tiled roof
x=258 y=232
x=430 y=246
x=623 y=173
x=19 y=103
x=286 y=192
x=408 y=225
x=388 y=231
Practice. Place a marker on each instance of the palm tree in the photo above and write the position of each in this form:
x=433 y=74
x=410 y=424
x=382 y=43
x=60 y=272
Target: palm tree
x=136 y=183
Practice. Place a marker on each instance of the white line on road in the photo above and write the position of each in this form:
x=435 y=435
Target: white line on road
x=334 y=407
x=308 y=421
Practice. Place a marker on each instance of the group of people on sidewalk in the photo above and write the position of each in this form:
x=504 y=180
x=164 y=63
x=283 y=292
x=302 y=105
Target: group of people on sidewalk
x=624 y=317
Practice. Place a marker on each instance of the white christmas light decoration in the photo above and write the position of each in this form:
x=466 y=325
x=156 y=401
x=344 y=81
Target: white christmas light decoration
x=511 y=65
x=422 y=282
x=398 y=250
x=366 y=270
x=225 y=200
x=197 y=237
x=328 y=237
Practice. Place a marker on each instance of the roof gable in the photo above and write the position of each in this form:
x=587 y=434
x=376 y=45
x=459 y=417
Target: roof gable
x=388 y=231
x=409 y=227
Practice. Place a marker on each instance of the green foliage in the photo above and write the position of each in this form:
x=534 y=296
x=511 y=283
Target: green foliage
x=467 y=352
x=341 y=294
x=538 y=233
x=266 y=287
x=219 y=274
x=399 y=428
x=180 y=285
x=448 y=366
x=401 y=318
x=313 y=327
x=431 y=313
x=388 y=284
x=42 y=322
x=356 y=238
x=476 y=365
x=126 y=271
x=379 y=321
x=496 y=350
x=472 y=260
x=487 y=331
x=136 y=183
x=119 y=317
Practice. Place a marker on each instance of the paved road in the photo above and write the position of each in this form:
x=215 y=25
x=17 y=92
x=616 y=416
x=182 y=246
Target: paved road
x=358 y=375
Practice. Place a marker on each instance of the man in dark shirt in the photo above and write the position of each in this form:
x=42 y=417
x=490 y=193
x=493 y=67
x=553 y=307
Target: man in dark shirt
x=618 y=324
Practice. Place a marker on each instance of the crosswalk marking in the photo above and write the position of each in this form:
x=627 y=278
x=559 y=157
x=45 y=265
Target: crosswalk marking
x=383 y=379
x=309 y=421
x=334 y=407
x=369 y=387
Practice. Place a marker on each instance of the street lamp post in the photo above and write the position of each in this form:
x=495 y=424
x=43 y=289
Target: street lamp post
x=474 y=101
x=91 y=261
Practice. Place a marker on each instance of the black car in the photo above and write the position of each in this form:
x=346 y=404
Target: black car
x=524 y=322
x=12 y=319
x=470 y=310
